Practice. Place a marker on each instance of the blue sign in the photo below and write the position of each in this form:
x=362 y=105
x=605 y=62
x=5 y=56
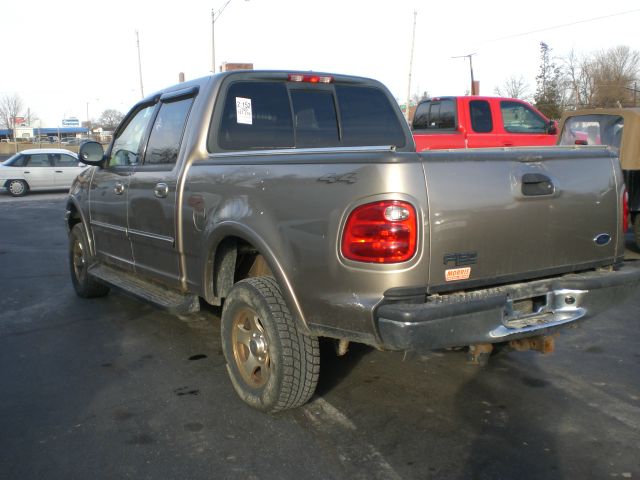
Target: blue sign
x=70 y=122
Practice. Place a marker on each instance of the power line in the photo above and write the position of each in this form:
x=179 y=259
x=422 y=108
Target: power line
x=555 y=27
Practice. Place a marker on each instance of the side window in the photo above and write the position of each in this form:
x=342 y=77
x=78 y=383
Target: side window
x=62 y=160
x=435 y=115
x=316 y=123
x=38 y=160
x=164 y=141
x=256 y=115
x=480 y=112
x=368 y=118
x=520 y=118
x=126 y=146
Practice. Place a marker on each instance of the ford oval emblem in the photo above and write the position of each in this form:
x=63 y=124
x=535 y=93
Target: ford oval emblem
x=602 y=239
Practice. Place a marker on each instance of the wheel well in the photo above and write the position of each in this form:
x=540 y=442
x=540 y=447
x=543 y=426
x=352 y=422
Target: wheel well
x=9 y=180
x=235 y=259
x=74 y=215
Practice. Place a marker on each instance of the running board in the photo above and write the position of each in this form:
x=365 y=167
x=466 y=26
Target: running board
x=162 y=297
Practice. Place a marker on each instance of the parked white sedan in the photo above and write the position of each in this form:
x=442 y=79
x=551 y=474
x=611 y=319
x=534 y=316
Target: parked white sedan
x=39 y=169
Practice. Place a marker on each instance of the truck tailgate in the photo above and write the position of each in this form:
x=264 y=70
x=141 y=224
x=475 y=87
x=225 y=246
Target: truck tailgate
x=498 y=216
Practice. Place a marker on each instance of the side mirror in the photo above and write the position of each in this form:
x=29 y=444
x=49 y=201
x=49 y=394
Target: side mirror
x=91 y=153
x=552 y=127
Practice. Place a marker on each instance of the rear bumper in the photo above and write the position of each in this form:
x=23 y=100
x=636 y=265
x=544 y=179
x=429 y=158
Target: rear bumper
x=504 y=313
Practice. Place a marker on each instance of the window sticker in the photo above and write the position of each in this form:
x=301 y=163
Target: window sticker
x=243 y=111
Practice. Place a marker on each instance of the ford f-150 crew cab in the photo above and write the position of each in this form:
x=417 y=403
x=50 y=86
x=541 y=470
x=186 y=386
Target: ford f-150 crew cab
x=297 y=201
x=480 y=122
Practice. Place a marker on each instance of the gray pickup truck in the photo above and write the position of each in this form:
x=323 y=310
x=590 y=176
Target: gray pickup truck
x=298 y=203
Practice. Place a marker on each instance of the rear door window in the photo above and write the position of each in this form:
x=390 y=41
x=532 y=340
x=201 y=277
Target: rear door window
x=63 y=160
x=480 y=111
x=39 y=160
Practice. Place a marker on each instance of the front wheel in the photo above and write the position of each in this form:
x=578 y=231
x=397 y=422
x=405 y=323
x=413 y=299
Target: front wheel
x=271 y=364
x=17 y=188
x=79 y=261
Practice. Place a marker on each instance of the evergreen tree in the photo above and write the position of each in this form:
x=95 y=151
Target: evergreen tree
x=548 y=97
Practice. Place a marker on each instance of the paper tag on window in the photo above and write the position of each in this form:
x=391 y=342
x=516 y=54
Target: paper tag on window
x=243 y=111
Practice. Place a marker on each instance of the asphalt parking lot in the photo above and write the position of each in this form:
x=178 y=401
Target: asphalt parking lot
x=111 y=388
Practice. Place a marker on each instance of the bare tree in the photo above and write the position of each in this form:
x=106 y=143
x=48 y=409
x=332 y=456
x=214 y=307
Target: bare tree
x=514 y=87
x=110 y=119
x=11 y=106
x=603 y=79
x=417 y=98
x=615 y=72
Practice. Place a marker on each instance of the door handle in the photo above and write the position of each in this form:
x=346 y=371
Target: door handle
x=537 y=184
x=58 y=171
x=118 y=188
x=161 y=190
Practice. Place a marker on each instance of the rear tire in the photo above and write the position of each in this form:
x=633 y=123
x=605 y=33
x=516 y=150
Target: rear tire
x=79 y=262
x=271 y=364
x=17 y=188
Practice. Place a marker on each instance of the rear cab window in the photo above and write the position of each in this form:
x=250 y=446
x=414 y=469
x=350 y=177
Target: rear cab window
x=435 y=115
x=265 y=115
x=593 y=130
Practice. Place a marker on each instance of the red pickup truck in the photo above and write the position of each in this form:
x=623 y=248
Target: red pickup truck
x=480 y=122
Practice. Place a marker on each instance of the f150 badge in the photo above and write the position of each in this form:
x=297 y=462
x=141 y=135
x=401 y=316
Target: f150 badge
x=460 y=260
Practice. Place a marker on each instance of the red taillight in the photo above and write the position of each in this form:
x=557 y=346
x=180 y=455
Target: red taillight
x=625 y=211
x=381 y=232
x=299 y=77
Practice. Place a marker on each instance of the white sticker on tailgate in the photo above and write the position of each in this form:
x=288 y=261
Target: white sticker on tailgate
x=457 y=274
x=243 y=111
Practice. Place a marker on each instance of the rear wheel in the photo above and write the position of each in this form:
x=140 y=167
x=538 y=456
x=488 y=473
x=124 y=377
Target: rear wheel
x=17 y=188
x=271 y=364
x=79 y=261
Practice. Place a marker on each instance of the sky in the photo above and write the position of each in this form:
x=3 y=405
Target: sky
x=69 y=58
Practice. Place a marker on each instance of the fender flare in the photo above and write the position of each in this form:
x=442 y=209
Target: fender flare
x=73 y=201
x=228 y=229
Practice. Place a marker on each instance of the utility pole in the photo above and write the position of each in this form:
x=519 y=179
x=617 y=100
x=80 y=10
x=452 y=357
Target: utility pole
x=139 y=64
x=213 y=41
x=214 y=16
x=473 y=83
x=413 y=42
